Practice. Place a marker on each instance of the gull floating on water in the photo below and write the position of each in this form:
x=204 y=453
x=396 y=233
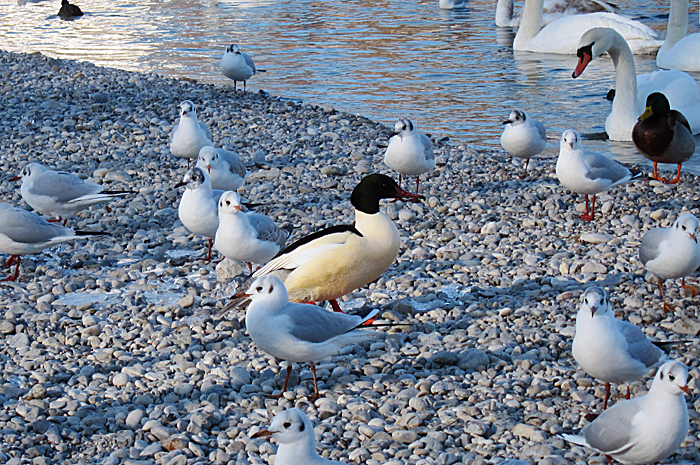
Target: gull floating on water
x=409 y=152
x=645 y=429
x=189 y=135
x=225 y=168
x=294 y=432
x=672 y=253
x=237 y=65
x=298 y=332
x=198 y=210
x=26 y=233
x=59 y=194
x=523 y=137
x=586 y=172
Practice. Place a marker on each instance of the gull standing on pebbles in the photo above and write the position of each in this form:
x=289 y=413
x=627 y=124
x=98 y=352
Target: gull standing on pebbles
x=294 y=432
x=645 y=429
x=523 y=137
x=410 y=152
x=26 y=233
x=298 y=332
x=333 y=262
x=672 y=253
x=246 y=236
x=588 y=173
x=59 y=194
x=198 y=209
x=237 y=65
x=225 y=169
x=609 y=349
x=189 y=135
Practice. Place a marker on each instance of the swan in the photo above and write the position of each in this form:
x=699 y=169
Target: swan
x=562 y=36
x=679 y=51
x=632 y=90
x=553 y=10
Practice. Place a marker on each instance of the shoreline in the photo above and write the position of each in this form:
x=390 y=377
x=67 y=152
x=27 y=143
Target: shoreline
x=489 y=274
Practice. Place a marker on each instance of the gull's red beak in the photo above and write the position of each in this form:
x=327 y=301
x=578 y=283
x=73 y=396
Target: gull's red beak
x=240 y=295
x=694 y=237
x=209 y=169
x=583 y=60
x=239 y=208
x=262 y=433
x=180 y=184
x=16 y=178
x=686 y=389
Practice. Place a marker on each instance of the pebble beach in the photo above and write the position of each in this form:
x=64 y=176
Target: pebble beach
x=114 y=349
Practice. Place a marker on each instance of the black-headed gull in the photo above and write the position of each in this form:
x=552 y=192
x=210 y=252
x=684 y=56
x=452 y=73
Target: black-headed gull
x=663 y=135
x=409 y=152
x=246 y=236
x=59 y=194
x=199 y=206
x=645 y=429
x=298 y=332
x=237 y=65
x=225 y=169
x=608 y=349
x=189 y=135
x=333 y=262
x=672 y=253
x=523 y=137
x=26 y=233
x=586 y=172
x=294 y=433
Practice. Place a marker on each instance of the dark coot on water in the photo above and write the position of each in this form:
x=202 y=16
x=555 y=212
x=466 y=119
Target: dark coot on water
x=68 y=10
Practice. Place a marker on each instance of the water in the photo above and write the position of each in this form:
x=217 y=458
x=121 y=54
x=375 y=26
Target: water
x=452 y=72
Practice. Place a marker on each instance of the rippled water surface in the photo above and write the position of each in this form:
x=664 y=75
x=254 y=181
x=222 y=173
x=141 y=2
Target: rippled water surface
x=454 y=73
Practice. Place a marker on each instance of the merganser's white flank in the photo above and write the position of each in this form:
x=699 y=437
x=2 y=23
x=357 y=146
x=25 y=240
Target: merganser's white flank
x=645 y=429
x=679 y=51
x=523 y=137
x=59 y=194
x=189 y=135
x=199 y=206
x=26 y=233
x=631 y=91
x=552 y=10
x=294 y=432
x=298 y=332
x=672 y=253
x=246 y=236
x=409 y=152
x=608 y=349
x=586 y=172
x=225 y=168
x=563 y=35
x=237 y=65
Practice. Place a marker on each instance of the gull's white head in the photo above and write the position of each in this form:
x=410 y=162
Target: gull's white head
x=208 y=158
x=194 y=178
x=267 y=292
x=570 y=140
x=230 y=203
x=672 y=377
x=233 y=48
x=594 y=302
x=403 y=127
x=290 y=426
x=30 y=170
x=187 y=109
x=516 y=117
x=687 y=224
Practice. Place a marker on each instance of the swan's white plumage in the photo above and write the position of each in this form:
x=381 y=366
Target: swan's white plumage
x=679 y=51
x=553 y=10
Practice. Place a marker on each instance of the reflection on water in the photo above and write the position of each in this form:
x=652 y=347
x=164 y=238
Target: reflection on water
x=451 y=71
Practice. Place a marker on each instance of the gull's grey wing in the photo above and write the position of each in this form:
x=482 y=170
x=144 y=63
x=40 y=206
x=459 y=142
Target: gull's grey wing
x=541 y=130
x=427 y=146
x=311 y=323
x=638 y=345
x=249 y=62
x=235 y=164
x=26 y=227
x=649 y=249
x=206 y=130
x=267 y=229
x=601 y=167
x=172 y=133
x=63 y=186
x=611 y=431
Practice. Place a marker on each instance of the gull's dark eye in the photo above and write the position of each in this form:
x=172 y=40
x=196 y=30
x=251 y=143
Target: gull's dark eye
x=259 y=288
x=287 y=424
x=270 y=290
x=228 y=203
x=683 y=228
x=671 y=377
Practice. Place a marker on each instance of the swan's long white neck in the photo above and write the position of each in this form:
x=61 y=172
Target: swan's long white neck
x=677 y=24
x=531 y=22
x=504 y=12
x=625 y=102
